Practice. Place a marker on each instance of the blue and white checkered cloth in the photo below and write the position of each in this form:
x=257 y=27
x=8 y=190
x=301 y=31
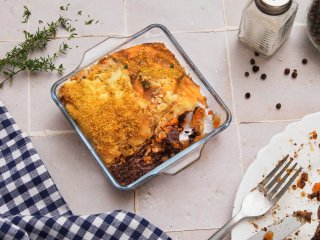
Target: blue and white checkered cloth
x=31 y=206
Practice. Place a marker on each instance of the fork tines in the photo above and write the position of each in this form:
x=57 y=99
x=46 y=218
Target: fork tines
x=271 y=184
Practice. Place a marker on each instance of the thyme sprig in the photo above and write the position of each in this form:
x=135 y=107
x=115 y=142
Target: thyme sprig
x=26 y=14
x=18 y=59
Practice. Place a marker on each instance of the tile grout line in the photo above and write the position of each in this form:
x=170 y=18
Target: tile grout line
x=232 y=90
x=225 y=29
x=29 y=87
x=125 y=22
x=190 y=230
x=47 y=133
x=135 y=199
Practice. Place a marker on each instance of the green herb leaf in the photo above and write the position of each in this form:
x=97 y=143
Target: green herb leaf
x=18 y=59
x=65 y=8
x=26 y=14
x=88 y=22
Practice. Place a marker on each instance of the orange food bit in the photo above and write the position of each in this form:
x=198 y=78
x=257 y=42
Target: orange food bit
x=316 y=187
x=313 y=135
x=160 y=136
x=216 y=121
x=302 y=180
x=147 y=159
x=268 y=236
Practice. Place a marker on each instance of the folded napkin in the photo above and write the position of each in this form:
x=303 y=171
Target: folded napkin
x=31 y=206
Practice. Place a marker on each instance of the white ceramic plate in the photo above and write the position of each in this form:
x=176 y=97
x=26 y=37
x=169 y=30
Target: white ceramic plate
x=293 y=141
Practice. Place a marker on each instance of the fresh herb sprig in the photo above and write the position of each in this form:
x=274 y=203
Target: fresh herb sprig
x=65 y=8
x=26 y=14
x=88 y=22
x=18 y=59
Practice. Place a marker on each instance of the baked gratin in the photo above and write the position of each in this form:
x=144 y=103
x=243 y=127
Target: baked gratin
x=134 y=106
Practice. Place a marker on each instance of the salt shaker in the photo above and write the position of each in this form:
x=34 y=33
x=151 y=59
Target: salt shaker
x=266 y=24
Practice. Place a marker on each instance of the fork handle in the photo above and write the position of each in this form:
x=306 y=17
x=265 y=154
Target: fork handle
x=222 y=232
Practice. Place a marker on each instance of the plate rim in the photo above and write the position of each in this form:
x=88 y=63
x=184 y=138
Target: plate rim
x=274 y=138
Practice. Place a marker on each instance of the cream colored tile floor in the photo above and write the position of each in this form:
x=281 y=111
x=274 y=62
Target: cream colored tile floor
x=197 y=201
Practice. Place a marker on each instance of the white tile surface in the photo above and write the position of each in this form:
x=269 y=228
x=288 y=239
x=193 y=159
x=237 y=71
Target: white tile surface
x=297 y=96
x=254 y=136
x=110 y=15
x=178 y=15
x=12 y=12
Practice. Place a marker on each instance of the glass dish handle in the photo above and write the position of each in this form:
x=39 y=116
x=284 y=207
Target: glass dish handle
x=99 y=50
x=184 y=162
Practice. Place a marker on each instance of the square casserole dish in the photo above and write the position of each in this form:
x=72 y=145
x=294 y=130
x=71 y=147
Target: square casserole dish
x=151 y=34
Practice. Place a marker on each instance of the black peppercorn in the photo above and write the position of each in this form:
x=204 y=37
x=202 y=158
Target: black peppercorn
x=263 y=76
x=294 y=74
x=252 y=61
x=287 y=71
x=246 y=74
x=255 y=68
x=304 y=61
x=247 y=95
x=256 y=54
x=278 y=106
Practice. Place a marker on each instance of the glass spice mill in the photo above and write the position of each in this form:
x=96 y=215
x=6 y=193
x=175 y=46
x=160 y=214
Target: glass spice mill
x=266 y=24
x=313 y=23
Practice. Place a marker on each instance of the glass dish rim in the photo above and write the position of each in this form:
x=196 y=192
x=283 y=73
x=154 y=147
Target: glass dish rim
x=157 y=170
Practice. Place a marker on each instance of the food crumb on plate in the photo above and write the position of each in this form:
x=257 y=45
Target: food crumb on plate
x=268 y=236
x=304 y=215
x=313 y=135
x=301 y=182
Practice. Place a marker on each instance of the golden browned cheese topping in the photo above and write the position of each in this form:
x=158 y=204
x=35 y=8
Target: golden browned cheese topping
x=129 y=97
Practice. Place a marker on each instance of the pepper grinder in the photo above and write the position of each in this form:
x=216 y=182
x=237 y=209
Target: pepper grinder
x=266 y=24
x=313 y=23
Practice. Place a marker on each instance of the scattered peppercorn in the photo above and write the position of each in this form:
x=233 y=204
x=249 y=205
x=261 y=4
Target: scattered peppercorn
x=294 y=74
x=287 y=71
x=304 y=61
x=263 y=76
x=246 y=74
x=247 y=95
x=278 y=106
x=252 y=61
x=256 y=54
x=255 y=68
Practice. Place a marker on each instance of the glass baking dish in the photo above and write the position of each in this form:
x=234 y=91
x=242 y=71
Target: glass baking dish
x=152 y=33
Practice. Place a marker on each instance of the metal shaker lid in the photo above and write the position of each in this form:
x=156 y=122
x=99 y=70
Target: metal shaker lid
x=273 y=7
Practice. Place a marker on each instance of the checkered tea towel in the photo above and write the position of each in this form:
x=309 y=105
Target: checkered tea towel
x=31 y=206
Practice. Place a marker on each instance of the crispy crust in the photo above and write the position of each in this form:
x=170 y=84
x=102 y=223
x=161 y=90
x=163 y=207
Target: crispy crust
x=131 y=104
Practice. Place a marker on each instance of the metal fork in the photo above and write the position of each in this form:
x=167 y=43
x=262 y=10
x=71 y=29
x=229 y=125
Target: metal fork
x=263 y=197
